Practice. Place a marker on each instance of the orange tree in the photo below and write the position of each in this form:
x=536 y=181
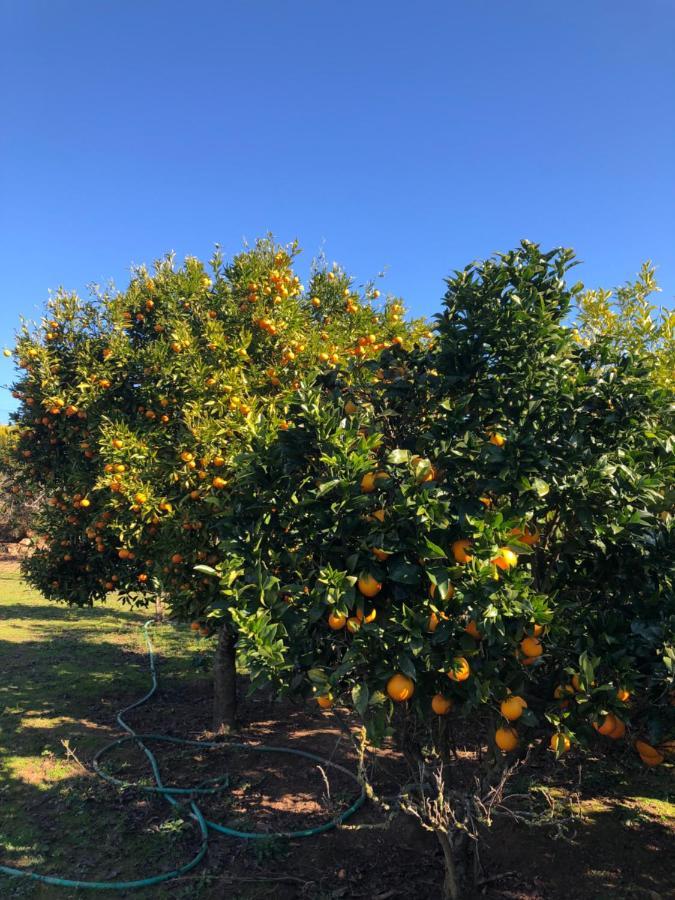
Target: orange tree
x=480 y=529
x=16 y=510
x=135 y=406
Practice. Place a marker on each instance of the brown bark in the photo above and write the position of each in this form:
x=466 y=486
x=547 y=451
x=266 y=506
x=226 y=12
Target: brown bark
x=451 y=881
x=225 y=683
x=159 y=608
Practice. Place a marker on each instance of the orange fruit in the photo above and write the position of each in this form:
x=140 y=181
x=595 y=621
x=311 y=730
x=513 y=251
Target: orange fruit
x=176 y=559
x=379 y=515
x=441 y=705
x=432 y=622
x=353 y=624
x=337 y=621
x=195 y=626
x=512 y=708
x=560 y=743
x=506 y=559
x=218 y=482
x=472 y=629
x=531 y=646
x=576 y=683
x=497 y=439
x=623 y=695
x=506 y=739
x=380 y=554
x=369 y=481
x=368 y=585
x=459 y=549
x=460 y=670
x=646 y=751
x=652 y=761
x=618 y=731
x=608 y=725
x=325 y=701
x=537 y=630
x=351 y=408
x=526 y=537
x=400 y=687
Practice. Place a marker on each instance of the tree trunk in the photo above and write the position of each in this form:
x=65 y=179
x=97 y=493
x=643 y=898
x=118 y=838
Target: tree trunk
x=450 y=882
x=225 y=683
x=159 y=608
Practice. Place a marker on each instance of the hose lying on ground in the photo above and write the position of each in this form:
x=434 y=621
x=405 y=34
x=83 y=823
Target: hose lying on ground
x=170 y=794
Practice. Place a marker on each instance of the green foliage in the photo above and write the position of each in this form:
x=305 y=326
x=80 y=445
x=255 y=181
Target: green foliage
x=509 y=433
x=135 y=406
x=631 y=323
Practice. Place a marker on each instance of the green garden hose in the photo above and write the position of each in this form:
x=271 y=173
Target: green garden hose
x=209 y=786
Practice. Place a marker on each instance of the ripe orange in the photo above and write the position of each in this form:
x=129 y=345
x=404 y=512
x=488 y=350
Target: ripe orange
x=353 y=624
x=652 y=761
x=646 y=751
x=506 y=559
x=219 y=482
x=497 y=439
x=337 y=621
x=472 y=629
x=325 y=701
x=441 y=705
x=400 y=687
x=618 y=731
x=623 y=695
x=608 y=725
x=537 y=630
x=459 y=549
x=460 y=670
x=351 y=408
x=512 y=708
x=195 y=626
x=526 y=537
x=380 y=554
x=576 y=683
x=368 y=585
x=379 y=515
x=432 y=622
x=369 y=481
x=560 y=743
x=506 y=739
x=531 y=646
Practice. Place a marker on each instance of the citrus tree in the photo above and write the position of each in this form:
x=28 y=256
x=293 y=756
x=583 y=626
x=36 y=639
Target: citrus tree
x=632 y=323
x=136 y=405
x=480 y=529
x=17 y=509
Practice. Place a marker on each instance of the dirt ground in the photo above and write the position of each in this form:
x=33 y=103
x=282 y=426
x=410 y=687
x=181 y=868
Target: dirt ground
x=603 y=827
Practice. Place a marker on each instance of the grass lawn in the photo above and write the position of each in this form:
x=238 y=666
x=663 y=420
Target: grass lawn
x=66 y=673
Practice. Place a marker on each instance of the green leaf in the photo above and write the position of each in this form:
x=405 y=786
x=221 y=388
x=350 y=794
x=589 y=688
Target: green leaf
x=397 y=457
x=360 y=697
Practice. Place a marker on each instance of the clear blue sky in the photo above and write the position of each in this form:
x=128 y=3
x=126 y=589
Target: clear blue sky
x=409 y=135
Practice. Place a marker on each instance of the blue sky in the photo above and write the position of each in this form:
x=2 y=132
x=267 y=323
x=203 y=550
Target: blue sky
x=407 y=136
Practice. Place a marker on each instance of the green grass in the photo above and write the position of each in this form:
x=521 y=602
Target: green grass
x=65 y=673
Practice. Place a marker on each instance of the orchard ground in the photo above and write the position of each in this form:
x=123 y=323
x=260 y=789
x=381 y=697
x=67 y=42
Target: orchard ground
x=602 y=827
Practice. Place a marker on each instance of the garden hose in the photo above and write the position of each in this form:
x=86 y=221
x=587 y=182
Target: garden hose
x=210 y=786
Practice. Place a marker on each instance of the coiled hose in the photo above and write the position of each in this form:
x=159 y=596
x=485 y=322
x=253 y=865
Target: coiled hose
x=211 y=786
